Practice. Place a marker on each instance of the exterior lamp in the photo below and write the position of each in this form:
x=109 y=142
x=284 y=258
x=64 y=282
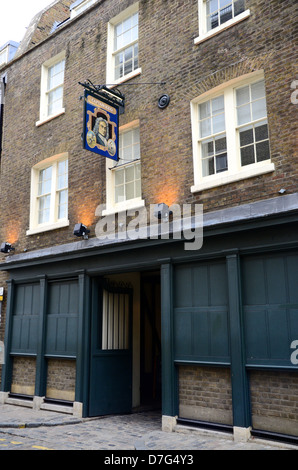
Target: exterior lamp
x=6 y=247
x=80 y=230
x=161 y=211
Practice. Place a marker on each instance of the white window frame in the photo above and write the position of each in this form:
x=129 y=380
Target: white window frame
x=204 y=34
x=112 y=206
x=235 y=171
x=4 y=53
x=43 y=114
x=82 y=6
x=110 y=73
x=54 y=222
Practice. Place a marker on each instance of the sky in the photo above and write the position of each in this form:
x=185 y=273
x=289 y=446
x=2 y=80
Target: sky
x=16 y=15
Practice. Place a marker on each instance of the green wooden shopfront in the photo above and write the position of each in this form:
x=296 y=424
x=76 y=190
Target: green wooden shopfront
x=206 y=334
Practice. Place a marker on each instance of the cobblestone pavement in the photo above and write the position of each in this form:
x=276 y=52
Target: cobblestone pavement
x=22 y=428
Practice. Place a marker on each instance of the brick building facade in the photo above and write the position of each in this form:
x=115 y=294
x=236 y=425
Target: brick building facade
x=224 y=315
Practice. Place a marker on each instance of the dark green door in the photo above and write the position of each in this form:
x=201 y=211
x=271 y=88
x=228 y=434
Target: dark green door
x=111 y=352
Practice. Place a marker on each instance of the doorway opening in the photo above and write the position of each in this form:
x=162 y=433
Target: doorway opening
x=150 y=341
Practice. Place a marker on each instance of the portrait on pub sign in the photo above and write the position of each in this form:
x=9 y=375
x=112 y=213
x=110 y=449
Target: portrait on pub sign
x=101 y=127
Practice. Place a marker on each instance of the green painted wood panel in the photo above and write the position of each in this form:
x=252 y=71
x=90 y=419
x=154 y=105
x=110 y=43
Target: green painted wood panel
x=201 y=312
x=62 y=318
x=25 y=319
x=270 y=307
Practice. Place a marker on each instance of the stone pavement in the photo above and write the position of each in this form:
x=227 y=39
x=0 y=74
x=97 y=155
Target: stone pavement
x=137 y=431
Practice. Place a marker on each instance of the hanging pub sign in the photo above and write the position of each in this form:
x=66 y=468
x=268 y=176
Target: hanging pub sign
x=101 y=121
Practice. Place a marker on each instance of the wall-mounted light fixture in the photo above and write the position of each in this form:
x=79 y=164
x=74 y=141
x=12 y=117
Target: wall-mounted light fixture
x=161 y=211
x=80 y=230
x=6 y=247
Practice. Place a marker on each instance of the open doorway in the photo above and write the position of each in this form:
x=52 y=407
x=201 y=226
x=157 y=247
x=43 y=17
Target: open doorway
x=150 y=347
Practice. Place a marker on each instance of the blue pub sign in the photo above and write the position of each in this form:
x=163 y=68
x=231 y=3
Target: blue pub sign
x=101 y=121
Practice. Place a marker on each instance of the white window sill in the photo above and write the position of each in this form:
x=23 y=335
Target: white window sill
x=133 y=204
x=46 y=227
x=49 y=118
x=221 y=179
x=213 y=32
x=130 y=75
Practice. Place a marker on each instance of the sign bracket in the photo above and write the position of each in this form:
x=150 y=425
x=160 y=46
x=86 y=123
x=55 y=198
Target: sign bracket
x=113 y=95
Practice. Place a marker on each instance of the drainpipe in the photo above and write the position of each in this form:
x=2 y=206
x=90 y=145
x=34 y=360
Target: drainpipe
x=2 y=90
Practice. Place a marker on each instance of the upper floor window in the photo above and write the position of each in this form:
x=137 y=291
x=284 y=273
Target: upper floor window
x=219 y=12
x=123 y=46
x=230 y=133
x=79 y=6
x=49 y=194
x=124 y=178
x=3 y=56
x=217 y=15
x=51 y=89
x=127 y=175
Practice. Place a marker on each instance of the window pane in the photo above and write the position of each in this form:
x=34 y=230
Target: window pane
x=44 y=209
x=138 y=188
x=138 y=171
x=134 y=33
x=239 y=7
x=226 y=14
x=63 y=204
x=126 y=32
x=259 y=109
x=55 y=100
x=205 y=127
x=45 y=181
x=263 y=152
x=218 y=104
x=204 y=110
x=212 y=6
x=119 y=194
x=130 y=191
x=128 y=54
x=136 y=151
x=224 y=3
x=243 y=114
x=261 y=132
x=207 y=149
x=62 y=174
x=242 y=95
x=129 y=174
x=221 y=163
x=128 y=178
x=218 y=123
x=246 y=136
x=247 y=155
x=136 y=136
x=130 y=145
x=208 y=167
x=119 y=177
x=118 y=72
x=258 y=90
x=128 y=67
x=126 y=154
x=119 y=59
x=136 y=56
x=220 y=145
x=56 y=75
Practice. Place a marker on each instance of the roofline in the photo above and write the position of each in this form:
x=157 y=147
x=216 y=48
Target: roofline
x=53 y=34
